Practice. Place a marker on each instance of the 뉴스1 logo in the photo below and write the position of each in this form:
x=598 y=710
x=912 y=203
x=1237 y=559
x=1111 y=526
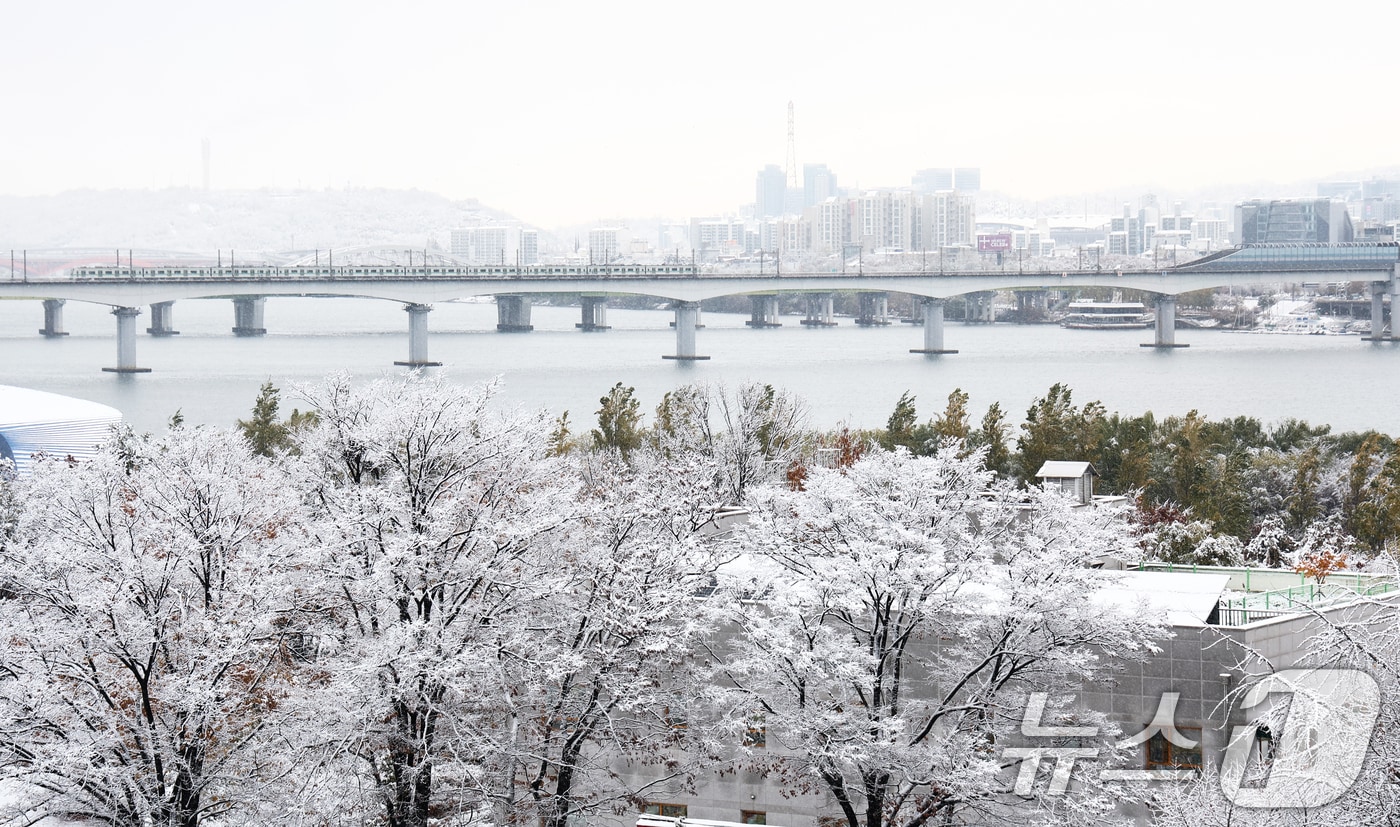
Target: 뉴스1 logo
x=1322 y=742
x=1317 y=757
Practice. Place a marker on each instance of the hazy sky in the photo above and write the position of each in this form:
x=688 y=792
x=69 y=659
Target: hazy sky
x=574 y=112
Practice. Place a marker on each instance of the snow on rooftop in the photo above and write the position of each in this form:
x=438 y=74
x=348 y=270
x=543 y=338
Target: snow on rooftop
x=36 y=421
x=1186 y=598
x=1060 y=469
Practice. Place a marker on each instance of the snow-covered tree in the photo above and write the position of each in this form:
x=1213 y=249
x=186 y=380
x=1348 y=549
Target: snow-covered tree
x=894 y=613
x=754 y=434
x=426 y=512
x=145 y=605
x=602 y=673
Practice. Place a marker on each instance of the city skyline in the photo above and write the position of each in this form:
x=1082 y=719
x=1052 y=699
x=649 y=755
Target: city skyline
x=569 y=115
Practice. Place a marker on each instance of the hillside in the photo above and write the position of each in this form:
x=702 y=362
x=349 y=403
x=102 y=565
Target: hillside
x=246 y=220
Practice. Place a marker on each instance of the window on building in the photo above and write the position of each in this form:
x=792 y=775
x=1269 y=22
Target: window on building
x=1164 y=755
x=753 y=817
x=658 y=808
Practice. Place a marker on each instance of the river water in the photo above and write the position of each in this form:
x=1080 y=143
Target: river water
x=846 y=373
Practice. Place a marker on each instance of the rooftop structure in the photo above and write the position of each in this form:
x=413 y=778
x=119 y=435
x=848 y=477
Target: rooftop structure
x=35 y=422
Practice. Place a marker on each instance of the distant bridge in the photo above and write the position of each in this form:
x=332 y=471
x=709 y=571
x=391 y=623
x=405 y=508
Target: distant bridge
x=436 y=279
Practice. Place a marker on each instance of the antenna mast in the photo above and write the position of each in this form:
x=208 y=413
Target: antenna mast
x=791 y=150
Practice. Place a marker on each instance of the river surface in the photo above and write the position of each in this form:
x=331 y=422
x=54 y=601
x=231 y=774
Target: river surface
x=846 y=374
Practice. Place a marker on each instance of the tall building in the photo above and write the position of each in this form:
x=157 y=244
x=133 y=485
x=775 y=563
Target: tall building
x=493 y=244
x=770 y=192
x=603 y=245
x=945 y=219
x=818 y=184
x=529 y=250
x=967 y=179
x=1292 y=221
x=933 y=180
x=829 y=222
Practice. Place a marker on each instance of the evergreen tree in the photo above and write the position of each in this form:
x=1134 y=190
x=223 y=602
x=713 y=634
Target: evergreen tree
x=264 y=431
x=899 y=429
x=953 y=422
x=992 y=436
x=619 y=421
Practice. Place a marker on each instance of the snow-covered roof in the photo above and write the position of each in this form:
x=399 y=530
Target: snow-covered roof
x=1186 y=598
x=1062 y=470
x=33 y=421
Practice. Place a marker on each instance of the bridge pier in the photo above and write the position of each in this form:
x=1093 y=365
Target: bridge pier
x=595 y=313
x=248 y=316
x=874 y=309
x=418 y=337
x=687 y=320
x=513 y=314
x=1166 y=324
x=979 y=307
x=819 y=310
x=53 y=319
x=126 y=341
x=1378 y=332
x=764 y=312
x=162 y=319
x=933 y=327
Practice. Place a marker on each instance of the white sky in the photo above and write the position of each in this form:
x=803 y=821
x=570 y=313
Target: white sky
x=573 y=112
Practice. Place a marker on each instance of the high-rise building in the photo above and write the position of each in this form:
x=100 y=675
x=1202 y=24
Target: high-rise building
x=493 y=244
x=818 y=184
x=829 y=222
x=529 y=250
x=603 y=245
x=770 y=192
x=933 y=180
x=1292 y=221
x=967 y=179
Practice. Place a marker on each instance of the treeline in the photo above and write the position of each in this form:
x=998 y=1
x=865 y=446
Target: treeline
x=1231 y=491
x=1225 y=491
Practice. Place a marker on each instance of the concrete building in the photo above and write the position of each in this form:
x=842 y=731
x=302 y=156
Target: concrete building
x=491 y=244
x=770 y=192
x=1292 y=221
x=967 y=179
x=1228 y=627
x=818 y=184
x=529 y=247
x=829 y=221
x=713 y=237
x=604 y=245
x=933 y=180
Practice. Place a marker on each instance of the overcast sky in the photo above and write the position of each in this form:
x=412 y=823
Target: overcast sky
x=574 y=112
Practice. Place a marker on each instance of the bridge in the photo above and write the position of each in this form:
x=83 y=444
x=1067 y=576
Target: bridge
x=435 y=279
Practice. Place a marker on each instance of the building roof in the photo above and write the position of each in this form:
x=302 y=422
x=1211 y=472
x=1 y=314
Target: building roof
x=1186 y=599
x=1062 y=470
x=36 y=421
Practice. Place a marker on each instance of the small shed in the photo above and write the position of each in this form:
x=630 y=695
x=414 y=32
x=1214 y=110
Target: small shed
x=1074 y=478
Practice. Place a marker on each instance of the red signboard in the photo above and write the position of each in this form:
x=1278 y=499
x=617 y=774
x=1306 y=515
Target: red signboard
x=993 y=242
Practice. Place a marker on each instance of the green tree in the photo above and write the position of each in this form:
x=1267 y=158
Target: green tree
x=267 y=434
x=1056 y=429
x=953 y=422
x=1125 y=453
x=619 y=421
x=559 y=438
x=993 y=436
x=1225 y=501
x=1302 y=503
x=900 y=428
